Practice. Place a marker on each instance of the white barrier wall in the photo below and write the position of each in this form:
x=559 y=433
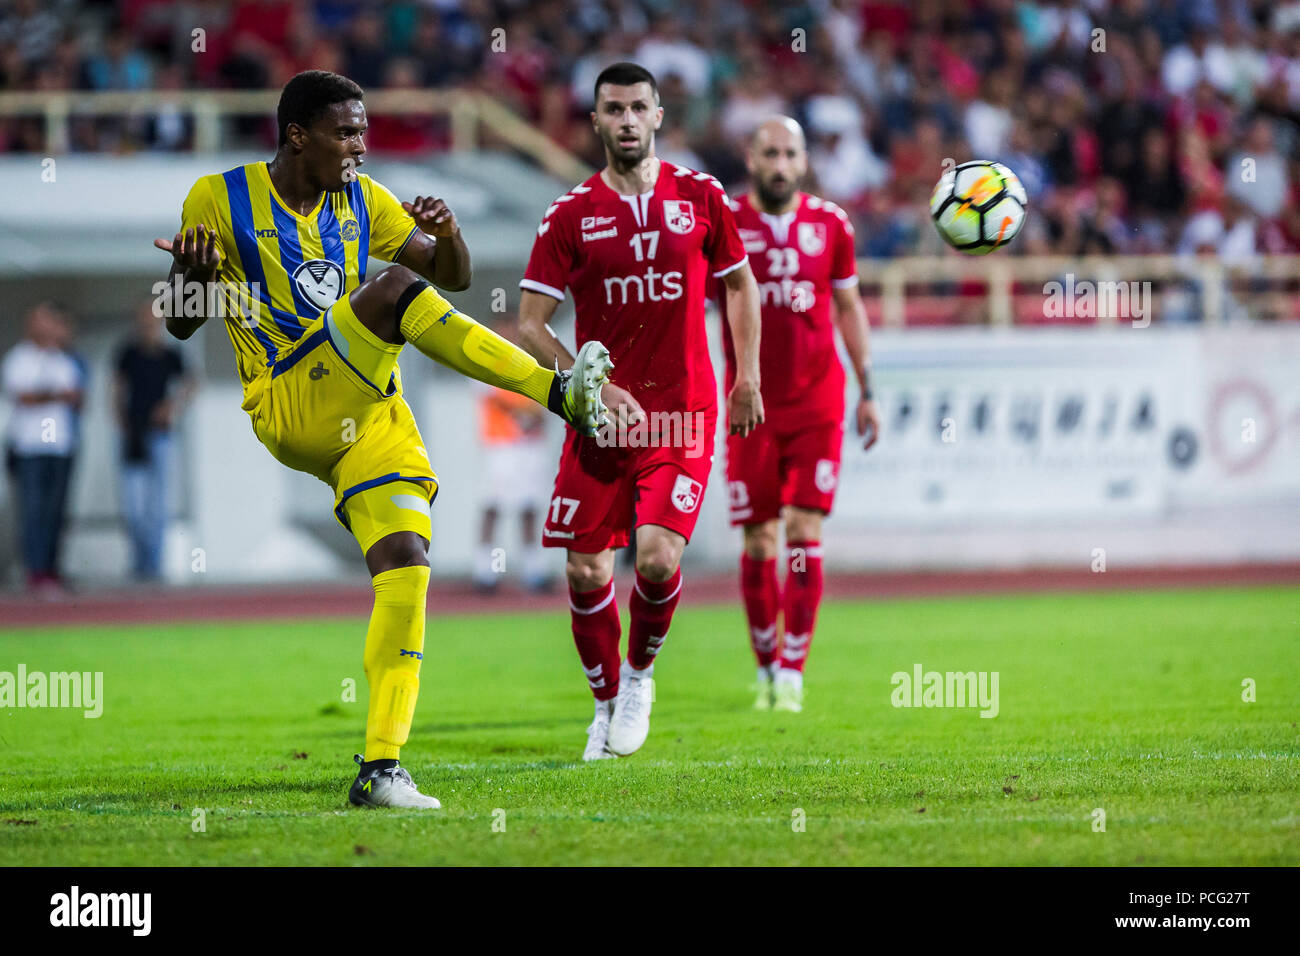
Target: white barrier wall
x=1019 y=447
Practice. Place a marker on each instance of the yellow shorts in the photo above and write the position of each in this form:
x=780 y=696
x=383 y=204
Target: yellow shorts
x=316 y=412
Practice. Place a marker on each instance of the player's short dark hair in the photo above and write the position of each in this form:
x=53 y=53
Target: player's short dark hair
x=309 y=95
x=625 y=74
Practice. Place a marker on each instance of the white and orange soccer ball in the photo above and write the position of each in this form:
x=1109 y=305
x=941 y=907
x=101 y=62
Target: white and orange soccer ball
x=978 y=206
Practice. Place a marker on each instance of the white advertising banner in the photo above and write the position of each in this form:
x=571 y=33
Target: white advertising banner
x=1038 y=425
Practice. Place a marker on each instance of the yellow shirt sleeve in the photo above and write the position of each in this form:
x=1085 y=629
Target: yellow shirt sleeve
x=201 y=207
x=390 y=225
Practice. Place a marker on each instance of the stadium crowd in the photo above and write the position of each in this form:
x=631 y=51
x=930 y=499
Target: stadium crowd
x=1137 y=125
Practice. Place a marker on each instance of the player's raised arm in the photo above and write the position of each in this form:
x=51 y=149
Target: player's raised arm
x=195 y=258
x=851 y=319
x=745 y=403
x=437 y=251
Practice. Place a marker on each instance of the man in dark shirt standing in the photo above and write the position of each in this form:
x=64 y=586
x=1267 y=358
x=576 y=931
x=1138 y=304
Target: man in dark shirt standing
x=151 y=386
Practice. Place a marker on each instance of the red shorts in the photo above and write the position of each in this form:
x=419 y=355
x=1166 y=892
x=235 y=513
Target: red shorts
x=772 y=467
x=601 y=494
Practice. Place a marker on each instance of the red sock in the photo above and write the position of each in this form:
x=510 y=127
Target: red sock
x=762 y=594
x=596 y=630
x=651 y=609
x=803 y=593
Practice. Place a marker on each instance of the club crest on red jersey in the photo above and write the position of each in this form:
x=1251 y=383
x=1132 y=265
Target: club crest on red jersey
x=812 y=238
x=825 y=476
x=686 y=493
x=679 y=216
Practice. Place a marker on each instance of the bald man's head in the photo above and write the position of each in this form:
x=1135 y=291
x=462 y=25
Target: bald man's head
x=778 y=129
x=778 y=160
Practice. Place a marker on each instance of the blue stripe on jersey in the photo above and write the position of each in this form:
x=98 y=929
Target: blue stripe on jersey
x=241 y=220
x=357 y=199
x=286 y=229
x=331 y=239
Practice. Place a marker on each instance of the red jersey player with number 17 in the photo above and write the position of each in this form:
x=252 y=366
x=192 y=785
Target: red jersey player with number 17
x=802 y=249
x=637 y=243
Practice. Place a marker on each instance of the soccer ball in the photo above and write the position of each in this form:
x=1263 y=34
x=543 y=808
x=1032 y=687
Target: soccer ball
x=978 y=206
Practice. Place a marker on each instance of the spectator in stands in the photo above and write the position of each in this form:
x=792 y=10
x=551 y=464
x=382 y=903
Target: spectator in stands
x=1257 y=173
x=366 y=50
x=119 y=66
x=45 y=384
x=668 y=50
x=151 y=386
x=32 y=30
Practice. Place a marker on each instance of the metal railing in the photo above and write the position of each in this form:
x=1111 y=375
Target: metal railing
x=1004 y=290
x=473 y=117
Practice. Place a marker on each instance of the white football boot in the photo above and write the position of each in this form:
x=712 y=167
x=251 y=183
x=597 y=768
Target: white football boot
x=763 y=687
x=583 y=408
x=598 y=732
x=389 y=788
x=787 y=690
x=631 y=721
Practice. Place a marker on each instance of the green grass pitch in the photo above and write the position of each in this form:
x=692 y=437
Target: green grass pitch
x=1128 y=702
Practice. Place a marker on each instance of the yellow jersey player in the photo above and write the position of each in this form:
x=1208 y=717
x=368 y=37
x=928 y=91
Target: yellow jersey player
x=317 y=351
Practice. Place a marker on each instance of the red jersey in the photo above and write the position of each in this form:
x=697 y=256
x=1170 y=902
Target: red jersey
x=639 y=267
x=797 y=258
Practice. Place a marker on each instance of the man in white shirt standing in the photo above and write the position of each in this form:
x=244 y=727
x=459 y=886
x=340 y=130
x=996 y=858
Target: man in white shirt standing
x=44 y=383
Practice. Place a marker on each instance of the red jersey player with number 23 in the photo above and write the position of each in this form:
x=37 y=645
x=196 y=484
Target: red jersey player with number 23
x=638 y=244
x=802 y=249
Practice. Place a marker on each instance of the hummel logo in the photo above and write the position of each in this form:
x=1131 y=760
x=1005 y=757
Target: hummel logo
x=764 y=638
x=405 y=653
x=318 y=372
x=795 y=646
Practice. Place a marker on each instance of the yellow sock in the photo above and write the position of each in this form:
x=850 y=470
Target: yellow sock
x=394 y=649
x=433 y=326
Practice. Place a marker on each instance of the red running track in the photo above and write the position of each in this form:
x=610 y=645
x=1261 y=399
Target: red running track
x=224 y=603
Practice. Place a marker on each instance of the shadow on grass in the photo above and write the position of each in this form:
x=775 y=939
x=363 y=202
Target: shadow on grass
x=550 y=723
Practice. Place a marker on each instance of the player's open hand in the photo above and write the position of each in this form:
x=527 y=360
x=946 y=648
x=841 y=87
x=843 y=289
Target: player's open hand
x=195 y=251
x=432 y=216
x=744 y=407
x=868 y=421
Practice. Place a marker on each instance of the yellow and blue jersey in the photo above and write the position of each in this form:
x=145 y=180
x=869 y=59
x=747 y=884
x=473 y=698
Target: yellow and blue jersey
x=293 y=266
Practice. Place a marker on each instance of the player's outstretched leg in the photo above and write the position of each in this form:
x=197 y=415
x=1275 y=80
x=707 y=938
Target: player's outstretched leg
x=762 y=597
x=803 y=594
x=654 y=598
x=596 y=632
x=399 y=306
x=394 y=650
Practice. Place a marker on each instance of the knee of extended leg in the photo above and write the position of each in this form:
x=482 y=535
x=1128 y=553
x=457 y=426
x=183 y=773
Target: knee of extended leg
x=394 y=281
